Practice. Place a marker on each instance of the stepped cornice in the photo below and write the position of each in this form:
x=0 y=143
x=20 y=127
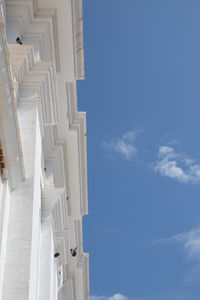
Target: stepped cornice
x=41 y=24
x=35 y=24
x=37 y=76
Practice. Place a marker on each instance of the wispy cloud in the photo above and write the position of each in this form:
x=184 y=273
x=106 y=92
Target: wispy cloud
x=111 y=230
x=189 y=240
x=190 y=244
x=114 y=297
x=124 y=146
x=107 y=229
x=177 y=166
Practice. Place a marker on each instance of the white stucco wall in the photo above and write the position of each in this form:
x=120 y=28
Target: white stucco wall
x=42 y=208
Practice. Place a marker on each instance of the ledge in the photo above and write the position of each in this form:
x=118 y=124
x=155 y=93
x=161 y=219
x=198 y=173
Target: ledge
x=77 y=24
x=36 y=24
x=55 y=210
x=38 y=76
x=77 y=121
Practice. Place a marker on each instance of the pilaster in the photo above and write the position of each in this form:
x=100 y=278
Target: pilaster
x=21 y=263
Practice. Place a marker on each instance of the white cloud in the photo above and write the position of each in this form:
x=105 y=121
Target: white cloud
x=124 y=145
x=118 y=297
x=190 y=241
x=175 y=165
x=190 y=244
x=130 y=135
x=114 y=297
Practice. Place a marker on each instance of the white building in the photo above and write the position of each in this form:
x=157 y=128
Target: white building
x=43 y=185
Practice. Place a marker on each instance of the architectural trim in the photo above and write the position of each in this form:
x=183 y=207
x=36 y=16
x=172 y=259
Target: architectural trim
x=54 y=208
x=37 y=76
x=77 y=121
x=77 y=14
x=29 y=18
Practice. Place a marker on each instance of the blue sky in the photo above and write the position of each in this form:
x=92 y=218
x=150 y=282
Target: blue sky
x=142 y=98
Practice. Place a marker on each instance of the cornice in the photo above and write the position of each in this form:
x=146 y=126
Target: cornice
x=69 y=283
x=39 y=24
x=85 y=270
x=56 y=152
x=29 y=16
x=77 y=25
x=38 y=76
x=77 y=121
x=82 y=258
x=55 y=210
x=71 y=276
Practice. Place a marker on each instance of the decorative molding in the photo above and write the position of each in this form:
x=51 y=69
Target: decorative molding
x=54 y=209
x=85 y=270
x=39 y=24
x=79 y=239
x=68 y=288
x=77 y=121
x=55 y=150
x=77 y=25
x=38 y=76
x=82 y=258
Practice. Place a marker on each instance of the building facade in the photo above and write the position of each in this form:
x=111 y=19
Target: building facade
x=43 y=163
